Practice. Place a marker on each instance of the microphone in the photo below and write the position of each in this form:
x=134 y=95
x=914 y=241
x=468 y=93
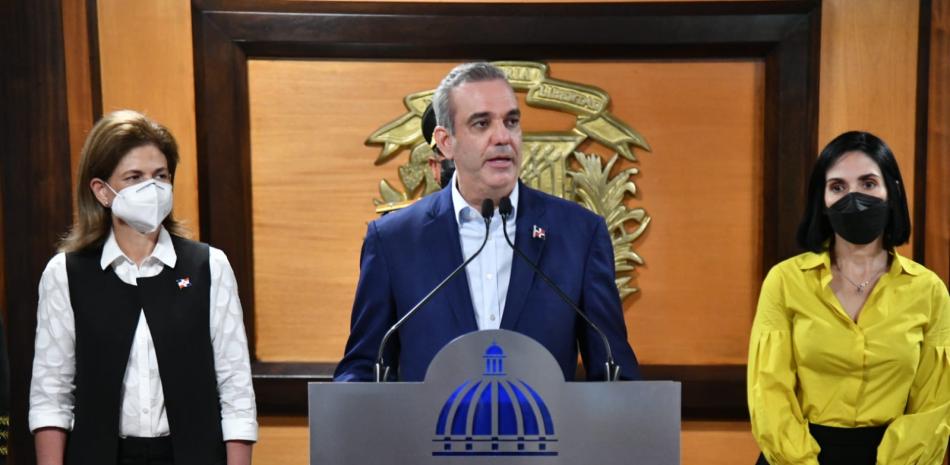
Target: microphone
x=382 y=370
x=505 y=209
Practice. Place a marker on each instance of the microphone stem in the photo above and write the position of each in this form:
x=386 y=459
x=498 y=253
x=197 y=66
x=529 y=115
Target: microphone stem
x=611 y=366
x=382 y=370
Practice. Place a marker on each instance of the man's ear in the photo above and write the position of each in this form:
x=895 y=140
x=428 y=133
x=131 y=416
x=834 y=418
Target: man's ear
x=444 y=141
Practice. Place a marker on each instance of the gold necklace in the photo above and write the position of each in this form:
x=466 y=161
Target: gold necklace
x=859 y=288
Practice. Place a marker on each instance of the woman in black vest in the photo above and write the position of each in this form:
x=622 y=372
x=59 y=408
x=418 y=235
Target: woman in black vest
x=141 y=355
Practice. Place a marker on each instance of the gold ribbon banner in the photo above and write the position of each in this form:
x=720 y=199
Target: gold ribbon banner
x=588 y=103
x=405 y=131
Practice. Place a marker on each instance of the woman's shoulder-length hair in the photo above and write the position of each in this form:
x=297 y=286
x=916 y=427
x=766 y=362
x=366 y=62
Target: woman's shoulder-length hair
x=110 y=139
x=815 y=230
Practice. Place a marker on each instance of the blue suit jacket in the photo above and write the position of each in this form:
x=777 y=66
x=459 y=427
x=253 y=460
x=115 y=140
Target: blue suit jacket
x=407 y=253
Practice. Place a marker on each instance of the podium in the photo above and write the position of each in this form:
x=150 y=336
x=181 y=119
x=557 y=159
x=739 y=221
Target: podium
x=495 y=397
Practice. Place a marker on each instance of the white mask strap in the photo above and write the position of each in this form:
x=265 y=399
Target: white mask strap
x=110 y=188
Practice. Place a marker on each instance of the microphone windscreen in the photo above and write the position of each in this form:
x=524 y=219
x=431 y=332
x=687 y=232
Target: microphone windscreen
x=504 y=206
x=488 y=209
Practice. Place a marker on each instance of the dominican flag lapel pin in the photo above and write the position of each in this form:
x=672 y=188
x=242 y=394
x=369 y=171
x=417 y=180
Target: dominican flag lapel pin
x=184 y=282
x=537 y=232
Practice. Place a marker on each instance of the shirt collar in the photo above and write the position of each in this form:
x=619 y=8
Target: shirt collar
x=461 y=206
x=164 y=250
x=903 y=264
x=813 y=260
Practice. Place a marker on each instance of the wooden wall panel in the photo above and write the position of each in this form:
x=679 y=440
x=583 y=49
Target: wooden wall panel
x=34 y=173
x=283 y=440
x=854 y=89
x=313 y=181
x=146 y=65
x=869 y=76
x=717 y=443
x=702 y=186
x=312 y=188
x=937 y=233
x=82 y=96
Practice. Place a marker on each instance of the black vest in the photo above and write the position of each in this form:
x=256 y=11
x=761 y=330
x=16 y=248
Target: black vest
x=106 y=313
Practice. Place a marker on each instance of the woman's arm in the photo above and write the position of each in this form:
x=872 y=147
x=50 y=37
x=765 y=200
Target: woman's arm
x=239 y=452
x=231 y=362
x=919 y=437
x=50 y=445
x=54 y=365
x=778 y=424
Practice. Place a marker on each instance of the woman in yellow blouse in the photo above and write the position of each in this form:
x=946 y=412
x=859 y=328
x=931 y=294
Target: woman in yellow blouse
x=849 y=359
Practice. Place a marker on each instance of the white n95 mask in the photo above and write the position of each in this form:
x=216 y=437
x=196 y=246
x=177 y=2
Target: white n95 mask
x=143 y=206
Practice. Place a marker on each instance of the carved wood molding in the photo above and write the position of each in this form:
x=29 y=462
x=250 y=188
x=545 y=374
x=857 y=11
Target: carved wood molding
x=785 y=35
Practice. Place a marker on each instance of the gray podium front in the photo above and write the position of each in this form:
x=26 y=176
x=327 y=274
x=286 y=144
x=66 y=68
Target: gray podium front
x=495 y=397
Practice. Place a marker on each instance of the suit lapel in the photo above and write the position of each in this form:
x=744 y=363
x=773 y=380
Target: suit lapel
x=446 y=243
x=530 y=213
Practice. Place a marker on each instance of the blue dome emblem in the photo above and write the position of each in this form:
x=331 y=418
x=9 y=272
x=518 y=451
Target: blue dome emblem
x=494 y=350
x=494 y=360
x=494 y=416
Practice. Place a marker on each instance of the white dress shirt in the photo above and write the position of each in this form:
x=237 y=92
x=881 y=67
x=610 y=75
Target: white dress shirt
x=143 y=401
x=489 y=273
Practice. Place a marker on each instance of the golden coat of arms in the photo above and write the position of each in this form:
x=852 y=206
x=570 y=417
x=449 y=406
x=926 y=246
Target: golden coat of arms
x=551 y=161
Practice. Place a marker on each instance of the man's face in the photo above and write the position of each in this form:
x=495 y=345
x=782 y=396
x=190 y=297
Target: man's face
x=486 y=146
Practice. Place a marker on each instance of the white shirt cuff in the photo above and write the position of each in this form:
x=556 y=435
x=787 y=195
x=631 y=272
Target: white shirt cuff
x=50 y=419
x=239 y=429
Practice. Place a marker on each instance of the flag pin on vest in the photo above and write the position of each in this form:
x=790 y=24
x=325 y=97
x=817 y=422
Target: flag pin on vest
x=183 y=283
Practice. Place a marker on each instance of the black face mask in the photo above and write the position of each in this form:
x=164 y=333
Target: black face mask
x=858 y=218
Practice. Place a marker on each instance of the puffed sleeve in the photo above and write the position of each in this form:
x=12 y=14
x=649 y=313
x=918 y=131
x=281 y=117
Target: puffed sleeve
x=777 y=421
x=919 y=436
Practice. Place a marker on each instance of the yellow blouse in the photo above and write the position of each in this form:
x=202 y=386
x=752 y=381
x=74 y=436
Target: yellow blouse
x=810 y=363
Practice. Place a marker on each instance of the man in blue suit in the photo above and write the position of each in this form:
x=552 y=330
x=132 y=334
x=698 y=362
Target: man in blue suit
x=407 y=253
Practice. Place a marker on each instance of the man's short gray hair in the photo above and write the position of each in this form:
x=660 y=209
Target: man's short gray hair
x=466 y=72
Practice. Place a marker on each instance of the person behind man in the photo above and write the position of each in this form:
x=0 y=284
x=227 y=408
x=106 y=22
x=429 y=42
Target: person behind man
x=407 y=253
x=442 y=168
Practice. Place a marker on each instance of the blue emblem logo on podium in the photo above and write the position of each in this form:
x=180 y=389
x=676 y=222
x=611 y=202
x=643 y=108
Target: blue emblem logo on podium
x=495 y=416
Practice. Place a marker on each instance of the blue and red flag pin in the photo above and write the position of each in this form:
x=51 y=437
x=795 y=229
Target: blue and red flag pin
x=183 y=283
x=537 y=232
